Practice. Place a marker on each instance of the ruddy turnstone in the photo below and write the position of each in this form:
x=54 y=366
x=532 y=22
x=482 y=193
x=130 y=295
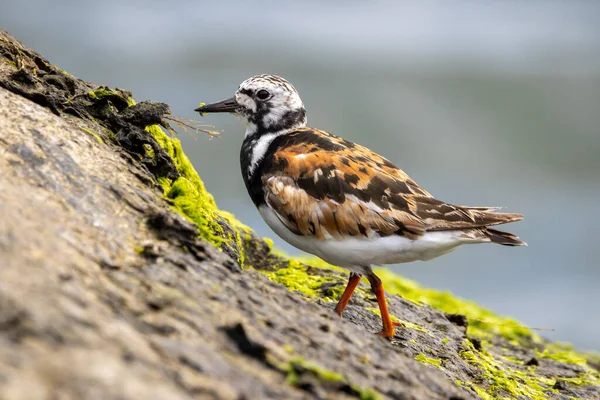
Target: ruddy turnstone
x=341 y=201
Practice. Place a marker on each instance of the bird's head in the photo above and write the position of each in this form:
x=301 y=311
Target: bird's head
x=266 y=103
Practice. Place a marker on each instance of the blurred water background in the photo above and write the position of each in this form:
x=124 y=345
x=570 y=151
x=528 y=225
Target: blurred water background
x=482 y=103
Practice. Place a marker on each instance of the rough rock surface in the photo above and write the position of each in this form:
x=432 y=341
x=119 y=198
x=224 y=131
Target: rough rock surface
x=106 y=292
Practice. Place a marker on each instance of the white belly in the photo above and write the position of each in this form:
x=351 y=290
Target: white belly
x=366 y=252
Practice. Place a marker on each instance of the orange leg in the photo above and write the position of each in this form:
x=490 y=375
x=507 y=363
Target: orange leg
x=388 y=325
x=353 y=282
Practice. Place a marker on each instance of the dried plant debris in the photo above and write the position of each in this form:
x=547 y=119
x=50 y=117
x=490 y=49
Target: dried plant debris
x=189 y=125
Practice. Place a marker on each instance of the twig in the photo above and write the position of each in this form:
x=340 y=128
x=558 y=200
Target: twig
x=187 y=124
x=483 y=321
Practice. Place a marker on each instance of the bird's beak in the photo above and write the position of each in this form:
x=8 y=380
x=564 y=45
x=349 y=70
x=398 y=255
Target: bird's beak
x=227 y=105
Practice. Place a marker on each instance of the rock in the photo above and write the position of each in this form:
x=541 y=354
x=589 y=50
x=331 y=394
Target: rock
x=107 y=290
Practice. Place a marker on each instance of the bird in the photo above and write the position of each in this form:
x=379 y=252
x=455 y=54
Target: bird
x=340 y=201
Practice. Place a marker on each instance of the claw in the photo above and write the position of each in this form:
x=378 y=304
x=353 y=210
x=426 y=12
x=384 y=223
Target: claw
x=387 y=335
x=390 y=332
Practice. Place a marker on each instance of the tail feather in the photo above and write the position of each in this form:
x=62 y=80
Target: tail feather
x=503 y=238
x=485 y=234
x=486 y=216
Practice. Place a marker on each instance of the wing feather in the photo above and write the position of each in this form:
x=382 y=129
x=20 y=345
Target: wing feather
x=321 y=185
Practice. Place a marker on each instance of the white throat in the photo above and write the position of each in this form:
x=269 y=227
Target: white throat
x=250 y=130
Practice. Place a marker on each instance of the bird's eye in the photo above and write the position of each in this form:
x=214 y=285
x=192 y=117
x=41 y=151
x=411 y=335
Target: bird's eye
x=263 y=94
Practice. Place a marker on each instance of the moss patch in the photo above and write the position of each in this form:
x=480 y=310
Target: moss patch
x=298 y=363
x=483 y=324
x=562 y=352
x=312 y=277
x=149 y=151
x=499 y=380
x=95 y=135
x=297 y=367
x=405 y=324
x=103 y=92
x=191 y=199
x=294 y=276
x=422 y=358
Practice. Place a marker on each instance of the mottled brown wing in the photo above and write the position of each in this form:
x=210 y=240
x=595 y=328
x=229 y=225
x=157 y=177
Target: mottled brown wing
x=327 y=218
x=324 y=186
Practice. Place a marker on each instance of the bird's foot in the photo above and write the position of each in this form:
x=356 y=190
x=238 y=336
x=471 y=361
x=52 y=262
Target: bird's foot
x=338 y=312
x=390 y=331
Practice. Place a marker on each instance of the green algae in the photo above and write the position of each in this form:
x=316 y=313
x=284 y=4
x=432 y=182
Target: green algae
x=288 y=348
x=514 y=360
x=62 y=71
x=499 y=380
x=562 y=352
x=410 y=325
x=102 y=92
x=149 y=150
x=483 y=323
x=95 y=135
x=297 y=365
x=422 y=358
x=295 y=276
x=188 y=195
x=308 y=275
x=405 y=324
x=269 y=243
x=190 y=198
